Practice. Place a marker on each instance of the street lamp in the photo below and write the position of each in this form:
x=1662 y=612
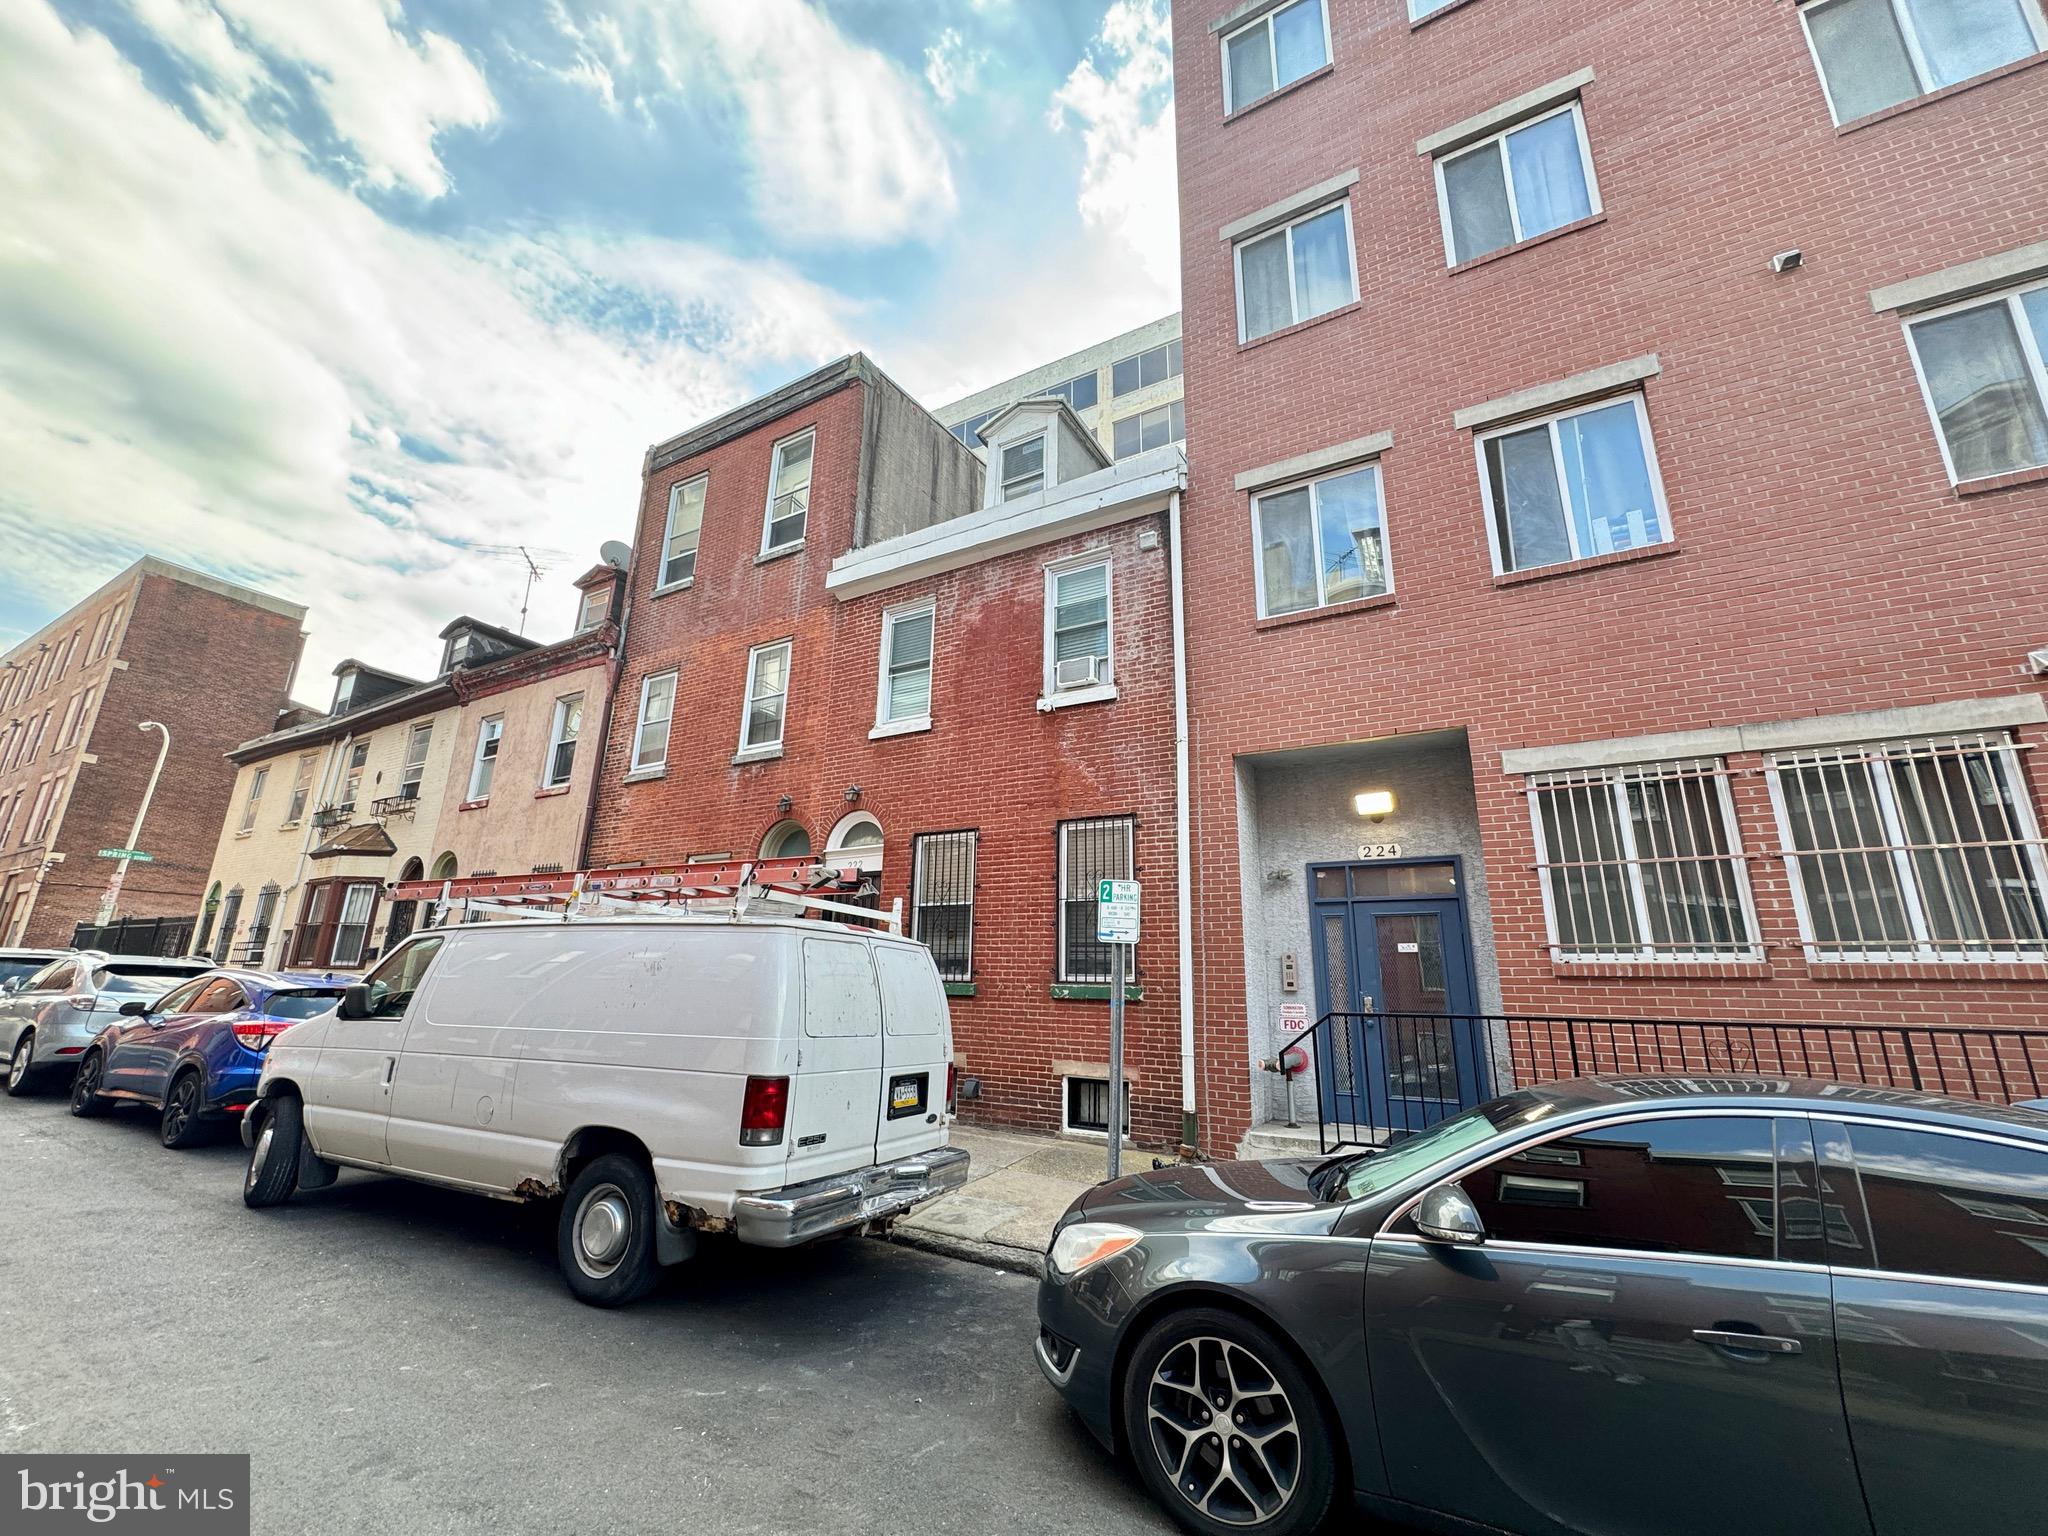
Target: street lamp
x=112 y=898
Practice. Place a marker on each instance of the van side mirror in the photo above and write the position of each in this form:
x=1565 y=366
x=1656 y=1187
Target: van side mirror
x=355 y=1001
x=1446 y=1214
x=136 y=1008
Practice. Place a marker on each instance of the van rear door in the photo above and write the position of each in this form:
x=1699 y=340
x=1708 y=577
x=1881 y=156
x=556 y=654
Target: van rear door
x=917 y=1050
x=833 y=1102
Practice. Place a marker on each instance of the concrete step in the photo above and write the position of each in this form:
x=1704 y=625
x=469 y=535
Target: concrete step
x=1277 y=1139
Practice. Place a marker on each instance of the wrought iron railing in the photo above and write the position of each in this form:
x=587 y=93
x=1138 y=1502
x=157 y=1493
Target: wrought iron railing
x=1374 y=1075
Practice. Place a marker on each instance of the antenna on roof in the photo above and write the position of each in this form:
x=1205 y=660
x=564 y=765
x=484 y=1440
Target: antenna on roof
x=537 y=562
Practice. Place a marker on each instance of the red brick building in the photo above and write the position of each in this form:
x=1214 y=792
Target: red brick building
x=841 y=640
x=1619 y=481
x=211 y=661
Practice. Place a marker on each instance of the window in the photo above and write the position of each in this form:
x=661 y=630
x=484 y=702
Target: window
x=67 y=728
x=1077 y=645
x=789 y=493
x=259 y=925
x=767 y=697
x=1684 y=1184
x=46 y=810
x=352 y=777
x=230 y=918
x=1079 y=391
x=391 y=985
x=1642 y=862
x=1526 y=181
x=1024 y=468
x=1087 y=1106
x=942 y=899
x=650 y=737
x=33 y=827
x=417 y=741
x=1321 y=543
x=1155 y=428
x=1981 y=372
x=1953 y=1206
x=302 y=787
x=485 y=765
x=352 y=928
x=905 y=694
x=79 y=720
x=1923 y=850
x=786 y=840
x=685 y=522
x=1874 y=54
x=256 y=782
x=1283 y=45
x=591 y=612
x=1295 y=273
x=113 y=631
x=1089 y=852
x=179 y=999
x=35 y=740
x=7 y=815
x=1155 y=365
x=1417 y=9
x=1578 y=484
x=562 y=734
x=969 y=431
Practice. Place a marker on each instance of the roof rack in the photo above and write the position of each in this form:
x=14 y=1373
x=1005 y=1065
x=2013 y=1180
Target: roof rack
x=731 y=889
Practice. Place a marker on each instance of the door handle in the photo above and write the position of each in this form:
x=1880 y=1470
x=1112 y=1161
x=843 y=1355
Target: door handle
x=1742 y=1341
x=390 y=1066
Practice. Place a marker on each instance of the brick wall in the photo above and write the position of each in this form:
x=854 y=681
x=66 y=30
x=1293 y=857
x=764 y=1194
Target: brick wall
x=1822 y=562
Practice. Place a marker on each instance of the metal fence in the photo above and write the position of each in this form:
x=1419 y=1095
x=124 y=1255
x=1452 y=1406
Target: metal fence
x=162 y=936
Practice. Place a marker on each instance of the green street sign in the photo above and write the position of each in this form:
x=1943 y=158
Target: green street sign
x=133 y=855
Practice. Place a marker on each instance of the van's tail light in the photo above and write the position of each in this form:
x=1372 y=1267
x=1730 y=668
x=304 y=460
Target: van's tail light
x=256 y=1034
x=952 y=1088
x=764 y=1111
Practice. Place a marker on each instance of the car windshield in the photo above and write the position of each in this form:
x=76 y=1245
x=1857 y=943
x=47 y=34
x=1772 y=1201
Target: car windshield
x=138 y=983
x=1378 y=1172
x=300 y=1005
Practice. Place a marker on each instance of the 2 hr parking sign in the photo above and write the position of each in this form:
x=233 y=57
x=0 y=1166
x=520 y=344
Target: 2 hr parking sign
x=1116 y=912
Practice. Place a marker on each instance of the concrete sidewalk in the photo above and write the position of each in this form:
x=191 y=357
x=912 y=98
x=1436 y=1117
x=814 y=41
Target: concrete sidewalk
x=1017 y=1187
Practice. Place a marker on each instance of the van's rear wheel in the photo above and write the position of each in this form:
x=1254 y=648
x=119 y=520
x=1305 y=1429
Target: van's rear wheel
x=605 y=1240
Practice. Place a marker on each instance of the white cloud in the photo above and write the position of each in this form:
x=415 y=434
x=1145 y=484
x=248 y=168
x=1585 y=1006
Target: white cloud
x=952 y=68
x=1121 y=95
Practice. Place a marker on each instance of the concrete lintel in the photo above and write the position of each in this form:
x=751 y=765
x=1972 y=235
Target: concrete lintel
x=1542 y=397
x=1493 y=119
x=1288 y=207
x=1303 y=464
x=1622 y=749
x=1961 y=281
x=1238 y=15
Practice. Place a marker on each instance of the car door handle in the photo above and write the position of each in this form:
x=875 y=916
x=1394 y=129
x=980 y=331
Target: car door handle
x=390 y=1066
x=1752 y=1343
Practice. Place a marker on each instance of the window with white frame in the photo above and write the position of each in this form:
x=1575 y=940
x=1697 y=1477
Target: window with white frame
x=650 y=735
x=591 y=611
x=566 y=726
x=1981 y=370
x=1275 y=50
x=113 y=632
x=1146 y=430
x=1874 y=54
x=789 y=493
x=249 y=806
x=767 y=698
x=1023 y=471
x=942 y=899
x=1522 y=182
x=352 y=925
x=67 y=729
x=302 y=788
x=1583 y=482
x=686 y=522
x=352 y=777
x=1100 y=848
x=414 y=768
x=1642 y=862
x=46 y=809
x=1296 y=272
x=484 y=767
x=1916 y=850
x=1077 y=627
x=904 y=692
x=1141 y=370
x=1321 y=542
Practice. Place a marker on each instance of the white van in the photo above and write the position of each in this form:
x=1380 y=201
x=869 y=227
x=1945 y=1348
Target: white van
x=781 y=1078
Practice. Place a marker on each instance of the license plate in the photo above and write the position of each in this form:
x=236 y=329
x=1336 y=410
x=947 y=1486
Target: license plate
x=906 y=1095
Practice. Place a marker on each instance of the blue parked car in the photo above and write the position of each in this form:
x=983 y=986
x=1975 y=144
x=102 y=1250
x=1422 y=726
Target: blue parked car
x=195 y=1052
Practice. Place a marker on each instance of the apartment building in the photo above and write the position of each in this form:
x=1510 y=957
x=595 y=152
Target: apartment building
x=1127 y=391
x=1619 y=451
x=206 y=663
x=844 y=641
x=478 y=770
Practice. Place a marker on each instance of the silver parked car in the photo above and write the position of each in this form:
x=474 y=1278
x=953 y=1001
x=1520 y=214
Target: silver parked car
x=49 y=1018
x=17 y=965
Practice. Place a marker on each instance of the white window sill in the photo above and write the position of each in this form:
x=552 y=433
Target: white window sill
x=641 y=775
x=900 y=727
x=1101 y=693
x=758 y=754
x=675 y=586
x=778 y=552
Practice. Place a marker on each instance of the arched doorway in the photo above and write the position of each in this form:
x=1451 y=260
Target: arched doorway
x=206 y=916
x=786 y=840
x=856 y=843
x=403 y=913
x=444 y=869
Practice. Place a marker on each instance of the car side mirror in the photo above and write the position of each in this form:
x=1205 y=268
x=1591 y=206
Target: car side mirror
x=1446 y=1214
x=355 y=1001
x=136 y=1008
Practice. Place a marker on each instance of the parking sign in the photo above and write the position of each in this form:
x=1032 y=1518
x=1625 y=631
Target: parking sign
x=1116 y=912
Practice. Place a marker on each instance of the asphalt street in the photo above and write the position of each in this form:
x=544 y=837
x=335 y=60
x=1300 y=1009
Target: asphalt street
x=395 y=1358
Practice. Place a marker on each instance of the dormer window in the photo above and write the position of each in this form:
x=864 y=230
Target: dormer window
x=592 y=612
x=1024 y=468
x=458 y=649
x=344 y=693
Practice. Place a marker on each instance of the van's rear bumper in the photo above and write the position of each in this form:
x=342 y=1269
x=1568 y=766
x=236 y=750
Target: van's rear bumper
x=783 y=1218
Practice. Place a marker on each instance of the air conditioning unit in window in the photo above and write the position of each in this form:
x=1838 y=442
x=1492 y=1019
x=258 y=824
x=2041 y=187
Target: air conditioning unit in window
x=1077 y=672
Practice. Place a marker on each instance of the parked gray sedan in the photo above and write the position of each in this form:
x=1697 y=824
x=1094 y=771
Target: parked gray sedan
x=48 y=1020
x=1633 y=1305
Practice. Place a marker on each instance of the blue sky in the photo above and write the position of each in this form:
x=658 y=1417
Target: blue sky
x=318 y=295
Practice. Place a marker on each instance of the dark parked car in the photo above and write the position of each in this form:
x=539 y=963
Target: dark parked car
x=195 y=1053
x=1634 y=1305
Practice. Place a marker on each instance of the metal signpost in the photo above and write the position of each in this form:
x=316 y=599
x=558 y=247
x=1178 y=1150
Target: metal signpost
x=110 y=900
x=1116 y=924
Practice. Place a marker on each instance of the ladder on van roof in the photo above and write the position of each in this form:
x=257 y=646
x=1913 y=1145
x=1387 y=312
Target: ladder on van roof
x=660 y=890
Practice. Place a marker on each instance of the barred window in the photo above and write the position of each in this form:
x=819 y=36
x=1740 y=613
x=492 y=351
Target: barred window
x=942 y=899
x=1089 y=851
x=1914 y=850
x=1642 y=862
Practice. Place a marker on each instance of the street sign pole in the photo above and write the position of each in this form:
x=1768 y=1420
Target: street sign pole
x=1116 y=1060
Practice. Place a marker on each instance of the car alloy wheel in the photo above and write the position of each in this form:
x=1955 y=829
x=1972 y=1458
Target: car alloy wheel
x=86 y=1086
x=259 y=1157
x=1224 y=1431
x=18 y=1064
x=604 y=1230
x=180 y=1109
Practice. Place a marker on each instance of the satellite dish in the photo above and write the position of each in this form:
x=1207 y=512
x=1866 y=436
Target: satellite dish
x=615 y=553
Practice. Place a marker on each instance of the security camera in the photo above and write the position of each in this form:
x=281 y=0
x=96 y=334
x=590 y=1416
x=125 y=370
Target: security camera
x=1786 y=261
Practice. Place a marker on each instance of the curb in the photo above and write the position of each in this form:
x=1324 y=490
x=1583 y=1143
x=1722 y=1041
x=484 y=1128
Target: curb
x=1018 y=1261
